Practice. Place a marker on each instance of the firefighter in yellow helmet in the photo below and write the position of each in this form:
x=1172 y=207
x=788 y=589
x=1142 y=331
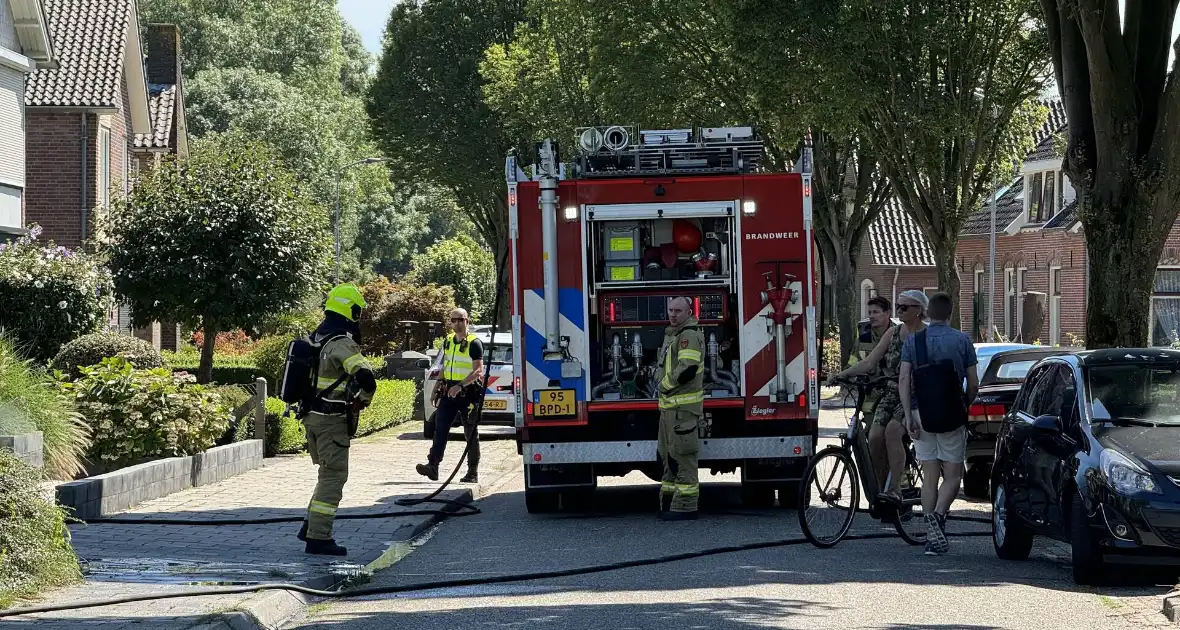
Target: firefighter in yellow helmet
x=682 y=401
x=345 y=384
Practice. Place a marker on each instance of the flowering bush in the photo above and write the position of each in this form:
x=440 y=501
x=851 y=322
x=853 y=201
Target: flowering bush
x=50 y=295
x=140 y=415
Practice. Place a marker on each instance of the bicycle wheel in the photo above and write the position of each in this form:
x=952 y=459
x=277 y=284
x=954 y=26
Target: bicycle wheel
x=828 y=497
x=911 y=522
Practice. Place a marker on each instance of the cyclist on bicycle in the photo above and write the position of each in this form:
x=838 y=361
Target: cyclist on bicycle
x=887 y=433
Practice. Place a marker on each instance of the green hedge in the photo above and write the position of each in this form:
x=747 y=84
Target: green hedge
x=227 y=370
x=393 y=404
x=35 y=551
x=91 y=349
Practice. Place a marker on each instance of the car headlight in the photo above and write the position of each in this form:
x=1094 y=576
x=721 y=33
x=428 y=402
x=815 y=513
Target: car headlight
x=1125 y=476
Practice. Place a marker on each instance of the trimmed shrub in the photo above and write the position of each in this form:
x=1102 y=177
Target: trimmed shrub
x=464 y=265
x=393 y=404
x=50 y=295
x=35 y=552
x=270 y=354
x=227 y=370
x=140 y=415
x=91 y=349
x=31 y=401
x=287 y=433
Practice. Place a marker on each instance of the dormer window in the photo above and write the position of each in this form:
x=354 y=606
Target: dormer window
x=1043 y=195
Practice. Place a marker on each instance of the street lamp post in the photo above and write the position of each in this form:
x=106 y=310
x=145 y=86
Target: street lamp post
x=336 y=214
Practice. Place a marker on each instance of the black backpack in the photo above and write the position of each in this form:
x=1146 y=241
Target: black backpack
x=301 y=371
x=939 y=391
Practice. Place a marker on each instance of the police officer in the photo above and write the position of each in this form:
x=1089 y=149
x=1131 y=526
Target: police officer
x=462 y=370
x=342 y=368
x=682 y=400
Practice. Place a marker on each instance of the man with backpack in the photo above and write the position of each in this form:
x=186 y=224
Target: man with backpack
x=343 y=384
x=934 y=364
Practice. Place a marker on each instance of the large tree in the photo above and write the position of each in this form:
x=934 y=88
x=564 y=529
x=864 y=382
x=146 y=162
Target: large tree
x=948 y=91
x=222 y=240
x=698 y=62
x=427 y=108
x=1123 y=105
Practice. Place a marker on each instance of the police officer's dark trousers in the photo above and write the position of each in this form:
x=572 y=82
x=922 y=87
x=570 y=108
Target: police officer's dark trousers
x=448 y=410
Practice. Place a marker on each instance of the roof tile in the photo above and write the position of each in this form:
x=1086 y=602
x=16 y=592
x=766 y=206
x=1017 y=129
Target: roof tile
x=161 y=106
x=89 y=40
x=897 y=241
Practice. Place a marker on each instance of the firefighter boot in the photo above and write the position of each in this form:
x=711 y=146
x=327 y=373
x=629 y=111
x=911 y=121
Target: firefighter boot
x=302 y=535
x=428 y=470
x=324 y=547
x=472 y=475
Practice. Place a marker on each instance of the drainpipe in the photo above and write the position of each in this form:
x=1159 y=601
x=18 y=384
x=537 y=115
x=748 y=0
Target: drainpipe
x=85 y=178
x=896 y=273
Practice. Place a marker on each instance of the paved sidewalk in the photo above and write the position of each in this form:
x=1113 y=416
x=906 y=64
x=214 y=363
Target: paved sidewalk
x=122 y=560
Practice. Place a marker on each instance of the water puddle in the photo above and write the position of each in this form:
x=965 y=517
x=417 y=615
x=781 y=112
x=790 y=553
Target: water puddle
x=398 y=550
x=189 y=573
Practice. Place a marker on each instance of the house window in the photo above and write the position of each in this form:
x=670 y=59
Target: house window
x=1054 y=306
x=126 y=172
x=1165 y=308
x=979 y=283
x=867 y=292
x=1043 y=195
x=104 y=167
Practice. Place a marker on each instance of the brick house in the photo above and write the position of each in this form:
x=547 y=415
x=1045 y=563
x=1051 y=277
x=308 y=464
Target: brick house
x=114 y=105
x=24 y=46
x=1041 y=266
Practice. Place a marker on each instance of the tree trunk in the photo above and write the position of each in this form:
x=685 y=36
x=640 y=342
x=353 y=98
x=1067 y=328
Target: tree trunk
x=1122 y=261
x=948 y=277
x=205 y=370
x=844 y=286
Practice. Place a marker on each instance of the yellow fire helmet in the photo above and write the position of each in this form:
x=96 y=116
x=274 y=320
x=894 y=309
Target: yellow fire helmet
x=346 y=300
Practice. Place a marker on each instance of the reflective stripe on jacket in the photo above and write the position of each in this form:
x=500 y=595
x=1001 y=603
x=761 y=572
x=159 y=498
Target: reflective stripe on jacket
x=340 y=356
x=683 y=349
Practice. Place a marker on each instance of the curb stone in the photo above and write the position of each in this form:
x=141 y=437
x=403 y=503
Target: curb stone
x=1171 y=607
x=271 y=610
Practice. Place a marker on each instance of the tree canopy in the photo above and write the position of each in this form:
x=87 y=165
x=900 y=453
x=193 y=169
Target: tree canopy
x=222 y=240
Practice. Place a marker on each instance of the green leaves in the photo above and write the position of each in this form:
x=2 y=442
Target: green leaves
x=225 y=238
x=142 y=414
x=464 y=265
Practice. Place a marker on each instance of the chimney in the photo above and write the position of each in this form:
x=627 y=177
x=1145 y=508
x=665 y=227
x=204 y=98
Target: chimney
x=163 y=52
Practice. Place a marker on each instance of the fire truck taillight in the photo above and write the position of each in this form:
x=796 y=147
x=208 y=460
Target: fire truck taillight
x=516 y=384
x=798 y=450
x=512 y=198
x=571 y=213
x=807 y=190
x=748 y=207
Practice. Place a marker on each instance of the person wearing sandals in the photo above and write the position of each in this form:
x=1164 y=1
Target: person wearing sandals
x=887 y=434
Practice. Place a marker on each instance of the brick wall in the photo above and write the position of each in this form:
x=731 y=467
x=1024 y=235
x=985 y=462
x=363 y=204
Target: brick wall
x=54 y=152
x=882 y=277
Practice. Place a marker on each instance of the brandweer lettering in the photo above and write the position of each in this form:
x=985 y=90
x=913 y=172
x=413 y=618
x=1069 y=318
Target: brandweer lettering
x=767 y=236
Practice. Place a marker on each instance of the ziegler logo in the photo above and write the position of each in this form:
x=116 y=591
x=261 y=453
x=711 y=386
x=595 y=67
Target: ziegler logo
x=771 y=236
x=762 y=411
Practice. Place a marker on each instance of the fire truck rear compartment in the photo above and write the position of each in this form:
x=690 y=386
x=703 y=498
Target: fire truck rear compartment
x=638 y=266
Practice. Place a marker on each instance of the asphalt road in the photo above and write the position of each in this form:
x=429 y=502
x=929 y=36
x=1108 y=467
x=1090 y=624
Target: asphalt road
x=881 y=584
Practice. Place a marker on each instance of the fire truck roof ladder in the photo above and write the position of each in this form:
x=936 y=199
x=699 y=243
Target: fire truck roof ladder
x=622 y=151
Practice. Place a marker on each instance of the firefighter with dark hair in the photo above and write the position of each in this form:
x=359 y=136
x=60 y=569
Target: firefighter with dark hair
x=682 y=401
x=344 y=385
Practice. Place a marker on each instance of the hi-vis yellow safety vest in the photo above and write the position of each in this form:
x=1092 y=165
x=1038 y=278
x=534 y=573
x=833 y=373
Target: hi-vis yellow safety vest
x=457 y=361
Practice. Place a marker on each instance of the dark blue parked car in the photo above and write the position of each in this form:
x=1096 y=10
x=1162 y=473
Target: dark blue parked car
x=1089 y=454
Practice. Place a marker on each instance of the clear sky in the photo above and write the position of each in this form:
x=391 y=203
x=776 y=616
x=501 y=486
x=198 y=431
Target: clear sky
x=369 y=17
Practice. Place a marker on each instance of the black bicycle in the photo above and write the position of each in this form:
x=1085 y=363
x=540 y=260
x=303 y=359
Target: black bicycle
x=830 y=492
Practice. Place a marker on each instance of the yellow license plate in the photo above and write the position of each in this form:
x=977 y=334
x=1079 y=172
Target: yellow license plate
x=495 y=404
x=555 y=403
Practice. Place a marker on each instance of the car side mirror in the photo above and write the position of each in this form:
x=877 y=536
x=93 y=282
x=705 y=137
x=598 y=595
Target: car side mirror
x=1048 y=424
x=422 y=363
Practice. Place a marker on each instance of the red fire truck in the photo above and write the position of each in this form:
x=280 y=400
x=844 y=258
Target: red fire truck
x=599 y=245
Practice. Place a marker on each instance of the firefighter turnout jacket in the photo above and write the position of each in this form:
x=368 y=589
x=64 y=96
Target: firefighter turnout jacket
x=682 y=384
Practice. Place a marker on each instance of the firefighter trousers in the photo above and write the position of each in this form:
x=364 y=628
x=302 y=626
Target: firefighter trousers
x=327 y=443
x=678 y=447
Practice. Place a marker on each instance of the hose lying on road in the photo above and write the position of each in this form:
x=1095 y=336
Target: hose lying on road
x=457 y=508
x=499 y=579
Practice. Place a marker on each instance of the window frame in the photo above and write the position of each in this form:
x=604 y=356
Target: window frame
x=104 y=167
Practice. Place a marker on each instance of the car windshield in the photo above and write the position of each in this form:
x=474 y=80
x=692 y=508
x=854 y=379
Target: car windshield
x=1135 y=393
x=502 y=354
x=1013 y=372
